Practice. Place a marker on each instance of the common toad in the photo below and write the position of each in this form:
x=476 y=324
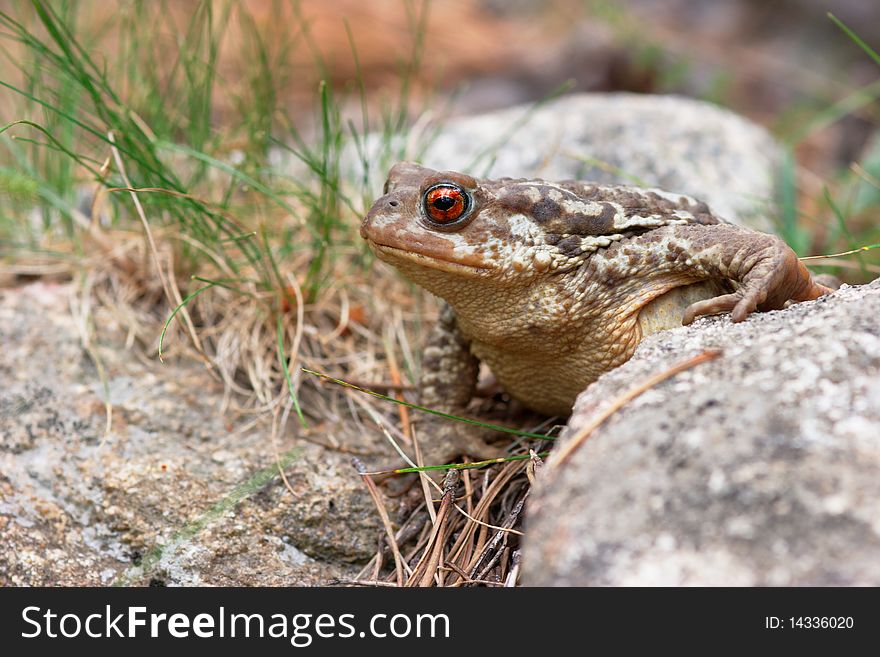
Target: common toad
x=553 y=284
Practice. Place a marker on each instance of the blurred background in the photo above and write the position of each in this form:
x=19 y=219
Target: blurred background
x=775 y=61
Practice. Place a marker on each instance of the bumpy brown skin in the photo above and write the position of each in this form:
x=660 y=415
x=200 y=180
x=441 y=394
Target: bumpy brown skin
x=553 y=284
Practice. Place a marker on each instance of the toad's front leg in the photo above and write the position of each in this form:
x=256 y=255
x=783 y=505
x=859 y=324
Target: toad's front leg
x=764 y=270
x=447 y=384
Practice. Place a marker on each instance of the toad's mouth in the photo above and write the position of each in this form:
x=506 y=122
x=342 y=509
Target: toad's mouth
x=468 y=266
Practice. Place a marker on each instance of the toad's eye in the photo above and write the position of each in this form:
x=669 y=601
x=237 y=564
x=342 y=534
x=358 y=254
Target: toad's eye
x=446 y=204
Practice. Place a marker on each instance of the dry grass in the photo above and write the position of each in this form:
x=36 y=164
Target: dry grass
x=471 y=540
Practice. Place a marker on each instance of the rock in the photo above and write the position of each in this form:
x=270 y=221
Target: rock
x=759 y=468
x=678 y=144
x=175 y=494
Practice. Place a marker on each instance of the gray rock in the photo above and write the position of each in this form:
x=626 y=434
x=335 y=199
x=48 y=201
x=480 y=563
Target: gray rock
x=759 y=468
x=175 y=493
x=678 y=144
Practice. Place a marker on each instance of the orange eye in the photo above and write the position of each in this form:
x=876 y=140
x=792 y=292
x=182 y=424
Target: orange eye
x=446 y=203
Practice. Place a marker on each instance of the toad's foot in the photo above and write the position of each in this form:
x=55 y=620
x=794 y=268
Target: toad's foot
x=764 y=270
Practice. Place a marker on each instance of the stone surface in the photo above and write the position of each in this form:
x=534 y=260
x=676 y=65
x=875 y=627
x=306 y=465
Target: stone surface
x=157 y=498
x=678 y=144
x=758 y=468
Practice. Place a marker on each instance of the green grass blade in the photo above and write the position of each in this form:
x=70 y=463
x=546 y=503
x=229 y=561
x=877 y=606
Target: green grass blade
x=425 y=409
x=177 y=309
x=850 y=103
x=237 y=495
x=855 y=38
x=282 y=357
x=468 y=466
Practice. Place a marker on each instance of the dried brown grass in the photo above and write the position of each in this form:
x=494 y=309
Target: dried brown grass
x=465 y=533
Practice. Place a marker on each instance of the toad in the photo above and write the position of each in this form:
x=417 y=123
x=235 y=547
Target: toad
x=551 y=284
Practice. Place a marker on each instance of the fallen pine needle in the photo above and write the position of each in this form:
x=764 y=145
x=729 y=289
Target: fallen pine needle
x=386 y=521
x=423 y=575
